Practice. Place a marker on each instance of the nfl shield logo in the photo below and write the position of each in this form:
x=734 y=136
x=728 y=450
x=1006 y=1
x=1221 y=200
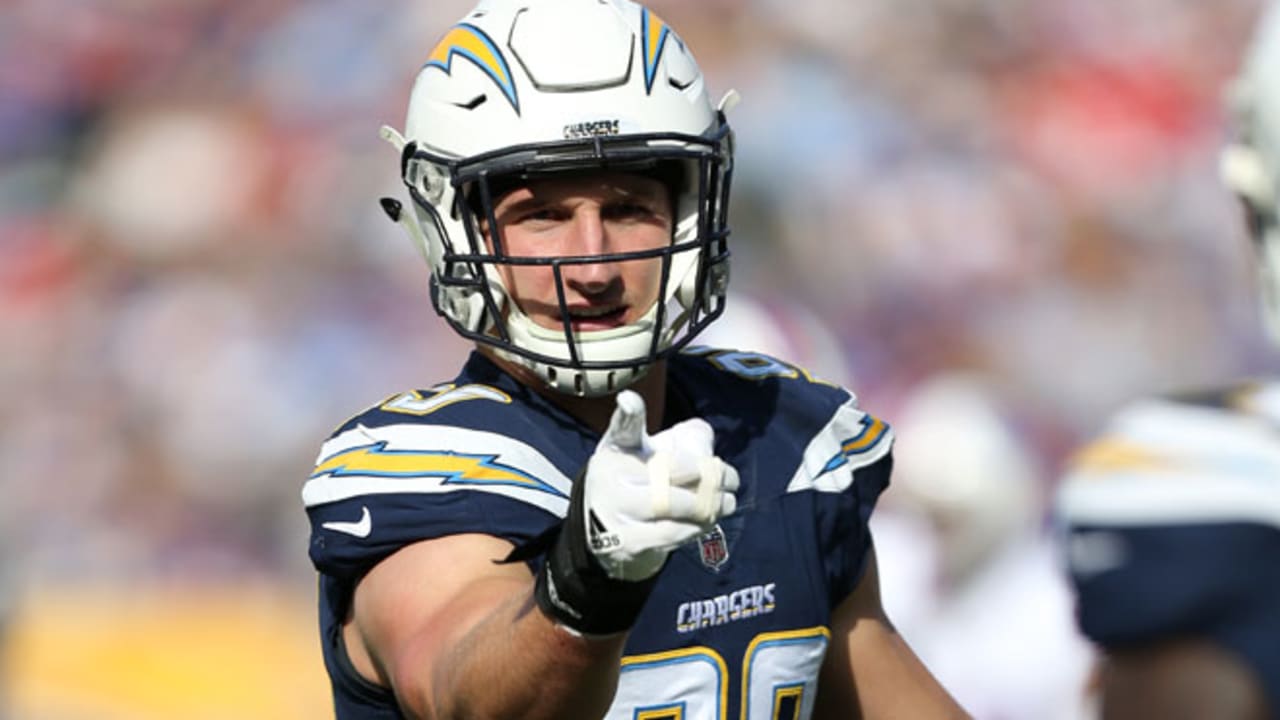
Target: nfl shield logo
x=714 y=547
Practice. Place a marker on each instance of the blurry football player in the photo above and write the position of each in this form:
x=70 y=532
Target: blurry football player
x=595 y=518
x=1173 y=516
x=969 y=571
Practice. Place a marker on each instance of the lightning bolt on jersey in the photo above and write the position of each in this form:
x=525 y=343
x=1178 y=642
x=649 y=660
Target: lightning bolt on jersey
x=738 y=622
x=1173 y=525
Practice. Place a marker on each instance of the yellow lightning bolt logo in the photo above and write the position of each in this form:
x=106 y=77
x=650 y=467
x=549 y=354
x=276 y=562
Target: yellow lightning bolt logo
x=655 y=33
x=471 y=43
x=872 y=430
x=451 y=467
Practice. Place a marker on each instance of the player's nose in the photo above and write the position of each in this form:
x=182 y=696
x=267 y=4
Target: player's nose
x=588 y=230
x=589 y=237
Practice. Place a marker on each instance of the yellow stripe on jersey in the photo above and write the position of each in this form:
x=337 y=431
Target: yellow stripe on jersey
x=814 y=639
x=873 y=430
x=451 y=467
x=665 y=712
x=870 y=435
x=788 y=699
x=692 y=656
x=1114 y=455
x=415 y=403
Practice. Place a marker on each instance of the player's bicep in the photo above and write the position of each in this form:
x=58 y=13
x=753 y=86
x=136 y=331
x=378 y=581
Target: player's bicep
x=870 y=671
x=850 y=621
x=417 y=604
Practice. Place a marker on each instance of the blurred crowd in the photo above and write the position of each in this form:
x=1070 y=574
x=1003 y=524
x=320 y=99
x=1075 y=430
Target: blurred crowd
x=197 y=284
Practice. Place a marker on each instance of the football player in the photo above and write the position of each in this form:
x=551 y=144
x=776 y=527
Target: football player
x=595 y=518
x=1173 y=515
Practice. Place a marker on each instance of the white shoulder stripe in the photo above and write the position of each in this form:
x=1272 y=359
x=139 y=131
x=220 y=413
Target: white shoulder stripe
x=1171 y=463
x=852 y=439
x=1145 y=499
x=414 y=458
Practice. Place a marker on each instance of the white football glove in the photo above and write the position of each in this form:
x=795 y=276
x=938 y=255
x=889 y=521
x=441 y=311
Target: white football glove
x=644 y=496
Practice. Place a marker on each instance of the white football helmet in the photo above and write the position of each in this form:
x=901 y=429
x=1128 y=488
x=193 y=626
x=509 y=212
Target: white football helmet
x=1251 y=163
x=521 y=89
x=961 y=464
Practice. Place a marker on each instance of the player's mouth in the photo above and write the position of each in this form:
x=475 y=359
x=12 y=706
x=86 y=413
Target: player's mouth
x=601 y=317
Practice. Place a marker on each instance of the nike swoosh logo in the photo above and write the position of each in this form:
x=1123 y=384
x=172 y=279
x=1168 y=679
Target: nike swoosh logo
x=361 y=528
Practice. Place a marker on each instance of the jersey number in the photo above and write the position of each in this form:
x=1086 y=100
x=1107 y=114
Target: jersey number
x=779 y=678
x=414 y=403
x=752 y=365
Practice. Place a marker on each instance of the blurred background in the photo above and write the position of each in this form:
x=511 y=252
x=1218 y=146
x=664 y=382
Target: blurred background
x=996 y=220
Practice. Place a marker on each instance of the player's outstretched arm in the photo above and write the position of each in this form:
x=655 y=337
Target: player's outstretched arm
x=457 y=635
x=870 y=672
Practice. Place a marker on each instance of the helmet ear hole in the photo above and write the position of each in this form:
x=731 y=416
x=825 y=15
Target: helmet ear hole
x=427 y=178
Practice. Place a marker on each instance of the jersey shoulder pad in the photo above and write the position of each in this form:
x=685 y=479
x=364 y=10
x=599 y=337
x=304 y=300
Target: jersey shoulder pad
x=481 y=397
x=463 y=405
x=748 y=375
x=1164 y=461
x=833 y=435
x=455 y=459
x=473 y=436
x=852 y=443
x=1164 y=515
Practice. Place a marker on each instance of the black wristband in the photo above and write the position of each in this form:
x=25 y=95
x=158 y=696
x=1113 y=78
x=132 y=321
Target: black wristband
x=574 y=589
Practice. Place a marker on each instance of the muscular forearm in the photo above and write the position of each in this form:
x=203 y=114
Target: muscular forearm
x=501 y=657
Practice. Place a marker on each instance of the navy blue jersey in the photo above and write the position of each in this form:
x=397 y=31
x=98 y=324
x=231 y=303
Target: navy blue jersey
x=739 y=620
x=1173 y=518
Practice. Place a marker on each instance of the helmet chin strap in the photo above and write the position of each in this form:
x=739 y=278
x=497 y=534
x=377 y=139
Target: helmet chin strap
x=620 y=342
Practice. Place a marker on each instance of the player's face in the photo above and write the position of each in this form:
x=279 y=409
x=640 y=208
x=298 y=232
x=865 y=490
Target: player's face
x=595 y=214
